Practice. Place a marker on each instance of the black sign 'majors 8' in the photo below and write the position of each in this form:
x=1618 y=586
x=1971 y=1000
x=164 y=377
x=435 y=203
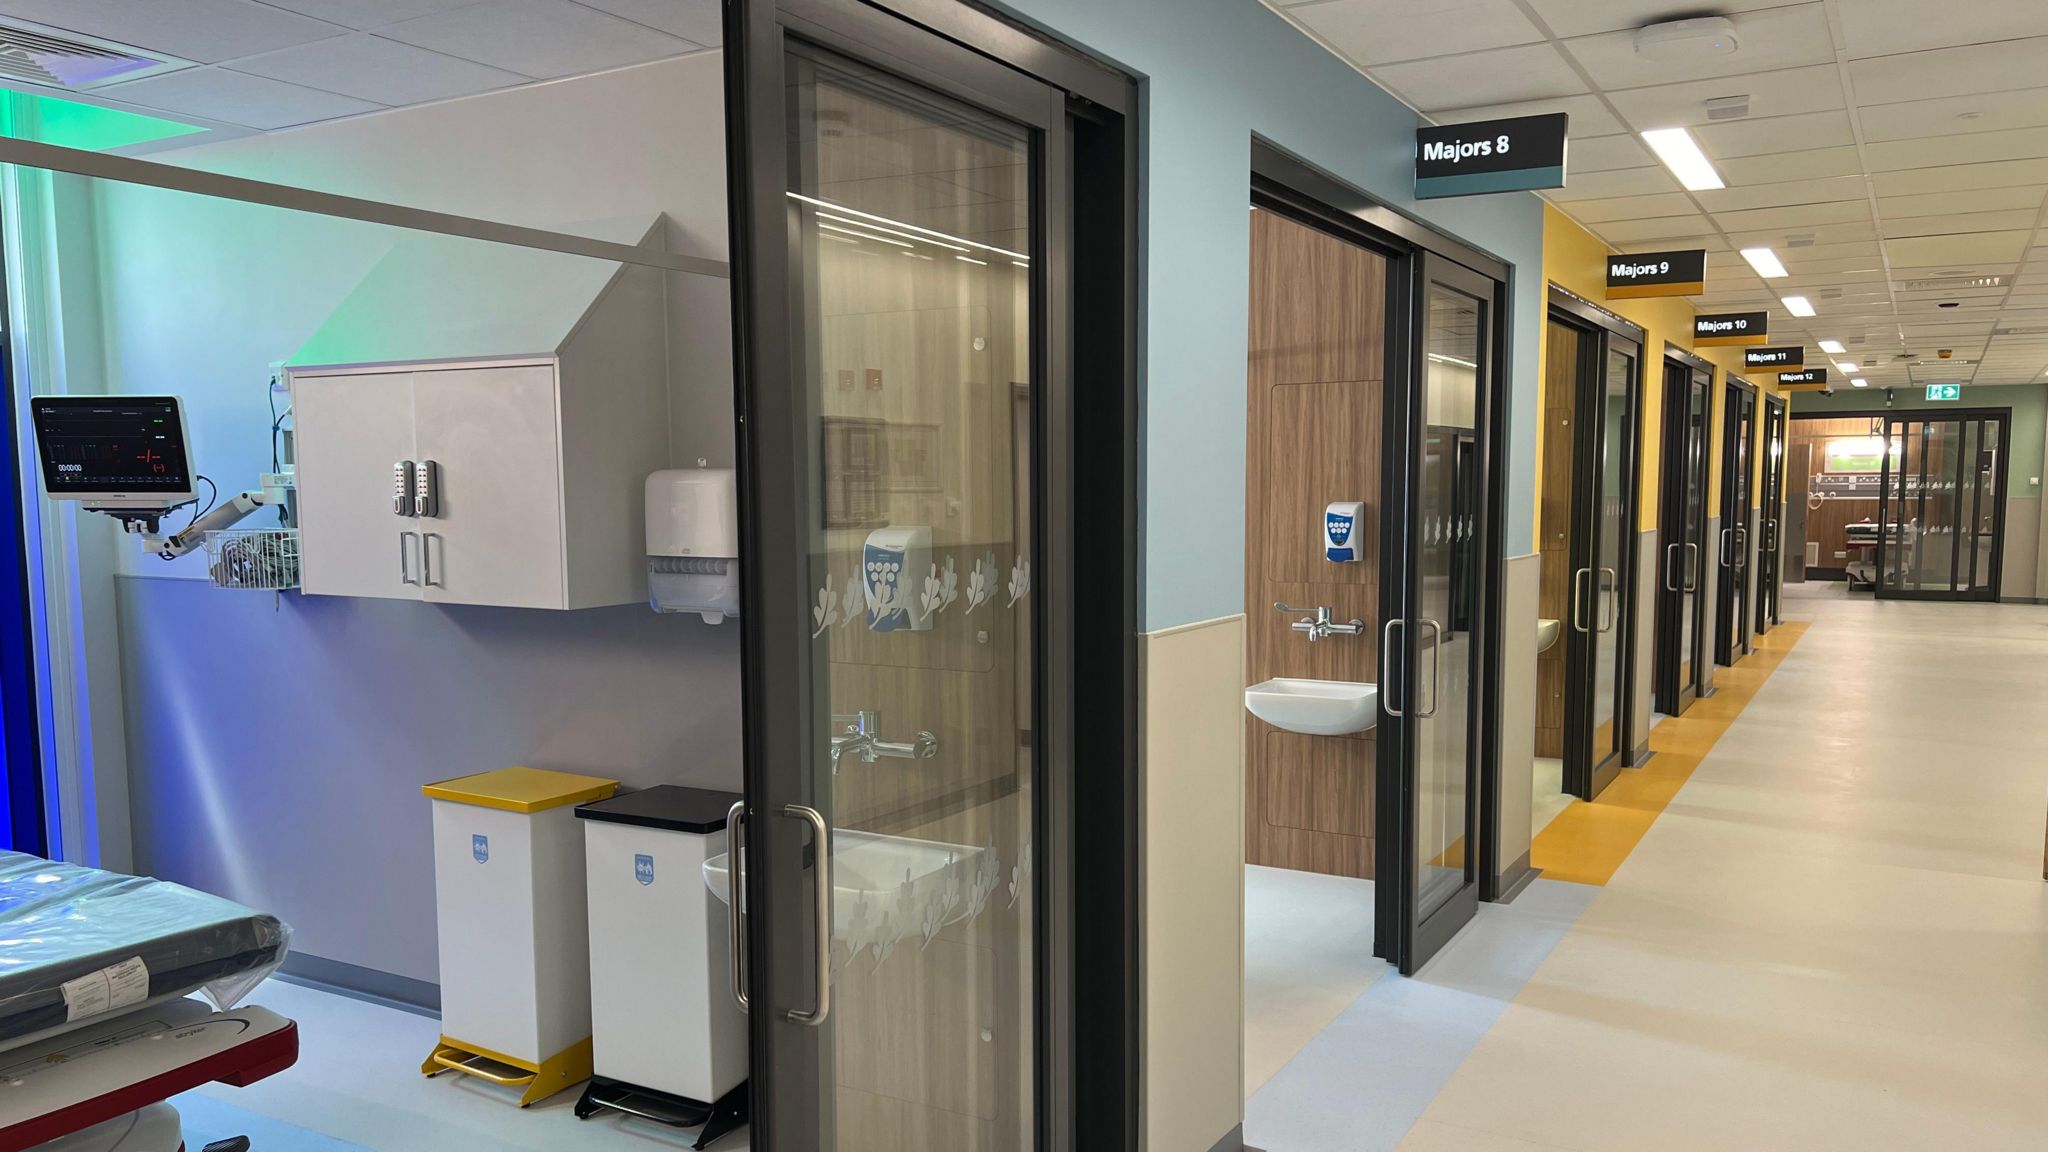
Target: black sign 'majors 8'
x=1513 y=155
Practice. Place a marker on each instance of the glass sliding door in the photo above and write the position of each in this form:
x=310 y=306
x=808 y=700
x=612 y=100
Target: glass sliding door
x=1942 y=498
x=1733 y=574
x=1434 y=667
x=904 y=367
x=1682 y=664
x=1770 y=542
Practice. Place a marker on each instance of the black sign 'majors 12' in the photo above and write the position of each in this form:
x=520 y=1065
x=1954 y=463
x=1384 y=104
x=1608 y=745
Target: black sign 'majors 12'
x=1804 y=378
x=1720 y=329
x=1513 y=155
x=1637 y=274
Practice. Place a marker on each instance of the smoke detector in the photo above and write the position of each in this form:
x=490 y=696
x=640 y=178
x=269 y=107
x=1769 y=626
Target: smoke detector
x=1697 y=39
x=50 y=58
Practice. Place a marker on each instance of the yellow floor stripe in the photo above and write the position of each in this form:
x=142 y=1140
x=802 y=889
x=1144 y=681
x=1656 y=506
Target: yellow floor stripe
x=1587 y=842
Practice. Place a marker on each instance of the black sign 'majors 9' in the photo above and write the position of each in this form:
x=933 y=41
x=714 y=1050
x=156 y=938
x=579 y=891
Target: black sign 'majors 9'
x=1637 y=274
x=1513 y=155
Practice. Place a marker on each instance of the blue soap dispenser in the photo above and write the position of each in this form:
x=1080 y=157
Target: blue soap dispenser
x=1341 y=521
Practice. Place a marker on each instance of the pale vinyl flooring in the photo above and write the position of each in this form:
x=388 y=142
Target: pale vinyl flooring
x=1836 y=935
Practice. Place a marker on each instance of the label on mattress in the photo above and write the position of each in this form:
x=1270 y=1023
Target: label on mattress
x=119 y=986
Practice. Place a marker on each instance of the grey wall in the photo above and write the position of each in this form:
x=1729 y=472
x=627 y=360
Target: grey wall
x=277 y=745
x=1648 y=567
x=1524 y=575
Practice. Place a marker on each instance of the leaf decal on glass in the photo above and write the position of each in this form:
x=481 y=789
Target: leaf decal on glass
x=850 y=603
x=986 y=877
x=949 y=585
x=826 y=613
x=1020 y=581
x=933 y=597
x=1020 y=875
x=981 y=583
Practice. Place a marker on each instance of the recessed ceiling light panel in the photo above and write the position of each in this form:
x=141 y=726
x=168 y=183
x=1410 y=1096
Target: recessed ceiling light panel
x=1798 y=305
x=1765 y=262
x=1832 y=347
x=1681 y=154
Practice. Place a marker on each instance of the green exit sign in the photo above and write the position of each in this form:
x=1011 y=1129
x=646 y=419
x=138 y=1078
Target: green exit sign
x=1944 y=391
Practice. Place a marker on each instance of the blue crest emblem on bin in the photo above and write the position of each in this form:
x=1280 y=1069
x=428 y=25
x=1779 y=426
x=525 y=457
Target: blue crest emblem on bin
x=480 y=847
x=643 y=869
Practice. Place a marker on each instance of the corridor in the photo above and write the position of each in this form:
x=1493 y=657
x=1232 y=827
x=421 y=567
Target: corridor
x=1830 y=938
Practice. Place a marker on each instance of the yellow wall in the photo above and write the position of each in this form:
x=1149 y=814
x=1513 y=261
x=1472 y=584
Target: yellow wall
x=1575 y=260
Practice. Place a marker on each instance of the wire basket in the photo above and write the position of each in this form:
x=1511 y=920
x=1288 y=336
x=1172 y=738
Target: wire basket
x=262 y=559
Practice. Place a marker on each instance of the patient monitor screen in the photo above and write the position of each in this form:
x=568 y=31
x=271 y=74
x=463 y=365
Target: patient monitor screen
x=99 y=446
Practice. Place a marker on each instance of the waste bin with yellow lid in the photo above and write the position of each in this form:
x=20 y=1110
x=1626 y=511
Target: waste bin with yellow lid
x=511 y=905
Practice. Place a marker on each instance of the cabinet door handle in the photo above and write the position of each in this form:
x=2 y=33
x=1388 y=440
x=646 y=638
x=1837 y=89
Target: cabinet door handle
x=427 y=560
x=404 y=571
x=821 y=875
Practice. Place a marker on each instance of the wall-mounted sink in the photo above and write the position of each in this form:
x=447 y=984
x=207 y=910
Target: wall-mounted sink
x=1547 y=632
x=1315 y=707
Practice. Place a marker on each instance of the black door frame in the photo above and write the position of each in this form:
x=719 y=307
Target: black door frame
x=2000 y=416
x=1731 y=616
x=1770 y=565
x=1285 y=183
x=1683 y=549
x=1085 y=425
x=1600 y=330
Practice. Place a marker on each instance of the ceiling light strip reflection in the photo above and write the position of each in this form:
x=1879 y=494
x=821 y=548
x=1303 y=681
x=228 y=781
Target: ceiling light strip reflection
x=862 y=235
x=893 y=224
x=889 y=231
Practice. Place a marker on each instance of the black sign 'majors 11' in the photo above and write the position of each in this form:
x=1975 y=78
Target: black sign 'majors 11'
x=1637 y=274
x=1513 y=155
x=1720 y=329
x=1786 y=357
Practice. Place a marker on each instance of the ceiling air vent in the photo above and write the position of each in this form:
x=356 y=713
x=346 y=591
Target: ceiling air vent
x=1727 y=107
x=2021 y=330
x=53 y=59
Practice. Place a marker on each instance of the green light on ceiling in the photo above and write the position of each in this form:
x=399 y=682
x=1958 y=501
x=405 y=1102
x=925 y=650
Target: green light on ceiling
x=70 y=124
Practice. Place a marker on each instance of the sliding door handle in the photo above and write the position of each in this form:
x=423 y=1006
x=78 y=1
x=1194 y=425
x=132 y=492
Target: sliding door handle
x=735 y=897
x=1436 y=666
x=1671 y=553
x=821 y=875
x=1610 y=590
x=1727 y=547
x=1692 y=567
x=1579 y=584
x=1387 y=666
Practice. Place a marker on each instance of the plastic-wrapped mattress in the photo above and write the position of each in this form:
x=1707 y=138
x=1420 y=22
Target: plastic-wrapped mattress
x=78 y=944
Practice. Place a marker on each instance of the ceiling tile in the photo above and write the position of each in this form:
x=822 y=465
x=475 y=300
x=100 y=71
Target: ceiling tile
x=1382 y=31
x=1580 y=18
x=1783 y=93
x=1631 y=207
x=1740 y=196
x=1949 y=72
x=2005 y=174
x=1766 y=135
x=1948 y=225
x=1658 y=228
x=1961 y=148
x=239 y=98
x=1588 y=114
x=1503 y=75
x=1988 y=112
x=1606 y=153
x=698 y=21
x=384 y=71
x=203 y=30
x=1616 y=182
x=1949 y=251
x=1794 y=217
x=1890 y=27
x=1821 y=234
x=1770 y=39
x=1976 y=200
x=544 y=38
x=366 y=13
x=1770 y=168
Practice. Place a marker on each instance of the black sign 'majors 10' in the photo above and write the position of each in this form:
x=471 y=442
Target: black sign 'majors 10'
x=1637 y=274
x=1721 y=329
x=1513 y=155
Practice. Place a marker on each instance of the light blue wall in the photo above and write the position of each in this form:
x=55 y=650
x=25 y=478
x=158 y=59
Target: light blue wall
x=1216 y=72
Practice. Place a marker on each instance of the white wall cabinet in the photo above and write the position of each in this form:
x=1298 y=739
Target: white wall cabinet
x=540 y=481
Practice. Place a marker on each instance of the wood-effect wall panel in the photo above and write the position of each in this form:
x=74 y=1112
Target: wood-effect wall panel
x=1553 y=598
x=1315 y=398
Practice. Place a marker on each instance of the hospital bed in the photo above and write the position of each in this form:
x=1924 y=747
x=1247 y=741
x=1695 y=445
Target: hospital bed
x=99 y=1020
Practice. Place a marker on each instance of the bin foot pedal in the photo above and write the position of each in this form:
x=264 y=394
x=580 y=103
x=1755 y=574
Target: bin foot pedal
x=717 y=1119
x=568 y=1067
